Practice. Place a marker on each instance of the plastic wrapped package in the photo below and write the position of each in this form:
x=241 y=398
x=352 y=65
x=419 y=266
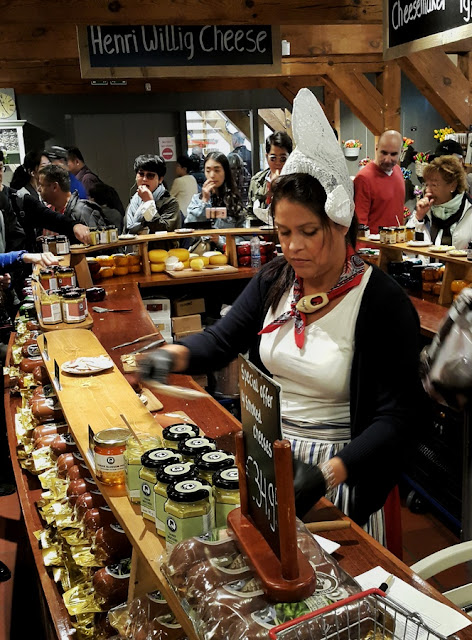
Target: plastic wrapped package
x=111 y=583
x=194 y=550
x=166 y=627
x=111 y=544
x=213 y=573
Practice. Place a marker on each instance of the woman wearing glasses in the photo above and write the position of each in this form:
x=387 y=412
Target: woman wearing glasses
x=152 y=205
x=278 y=148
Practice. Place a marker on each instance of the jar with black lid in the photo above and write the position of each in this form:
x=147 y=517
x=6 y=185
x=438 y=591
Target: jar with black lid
x=165 y=476
x=192 y=447
x=151 y=461
x=212 y=461
x=175 y=433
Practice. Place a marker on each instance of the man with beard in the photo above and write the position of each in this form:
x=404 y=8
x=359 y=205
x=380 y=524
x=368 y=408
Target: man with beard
x=379 y=188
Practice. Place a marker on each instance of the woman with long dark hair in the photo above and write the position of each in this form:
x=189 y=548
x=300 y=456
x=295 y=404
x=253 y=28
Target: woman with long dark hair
x=218 y=190
x=25 y=179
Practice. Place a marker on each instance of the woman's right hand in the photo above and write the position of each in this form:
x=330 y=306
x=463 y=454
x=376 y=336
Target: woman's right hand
x=423 y=206
x=158 y=365
x=207 y=190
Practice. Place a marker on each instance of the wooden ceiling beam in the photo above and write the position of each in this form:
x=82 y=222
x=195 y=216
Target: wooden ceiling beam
x=333 y=39
x=443 y=84
x=389 y=85
x=332 y=107
x=102 y=12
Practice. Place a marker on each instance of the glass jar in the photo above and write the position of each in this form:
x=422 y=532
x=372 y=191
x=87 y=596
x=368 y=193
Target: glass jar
x=152 y=461
x=391 y=235
x=383 y=235
x=133 y=453
x=112 y=233
x=62 y=245
x=47 y=279
x=175 y=433
x=164 y=477
x=48 y=243
x=103 y=231
x=226 y=494
x=192 y=447
x=212 y=461
x=187 y=511
x=400 y=233
x=409 y=234
x=94 y=236
x=51 y=307
x=65 y=276
x=108 y=451
x=74 y=306
x=363 y=231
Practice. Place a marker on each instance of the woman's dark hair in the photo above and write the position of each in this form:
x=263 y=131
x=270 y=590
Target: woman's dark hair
x=103 y=194
x=150 y=162
x=23 y=172
x=228 y=194
x=279 y=139
x=300 y=188
x=185 y=162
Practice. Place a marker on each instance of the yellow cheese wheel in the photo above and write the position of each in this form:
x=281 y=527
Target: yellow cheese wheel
x=221 y=259
x=157 y=267
x=158 y=255
x=181 y=254
x=133 y=258
x=120 y=259
x=136 y=268
x=197 y=264
x=105 y=261
x=206 y=260
x=186 y=264
x=106 y=272
x=121 y=271
x=208 y=254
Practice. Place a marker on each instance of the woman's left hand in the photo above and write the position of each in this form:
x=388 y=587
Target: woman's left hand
x=45 y=259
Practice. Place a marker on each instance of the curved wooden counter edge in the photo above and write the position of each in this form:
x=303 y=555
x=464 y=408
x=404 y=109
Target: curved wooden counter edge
x=29 y=491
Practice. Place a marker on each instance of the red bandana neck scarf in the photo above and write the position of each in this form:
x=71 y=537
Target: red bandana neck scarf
x=350 y=277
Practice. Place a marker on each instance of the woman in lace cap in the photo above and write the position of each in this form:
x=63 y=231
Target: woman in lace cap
x=315 y=319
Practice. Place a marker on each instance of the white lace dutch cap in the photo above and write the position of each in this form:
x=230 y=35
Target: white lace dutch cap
x=318 y=153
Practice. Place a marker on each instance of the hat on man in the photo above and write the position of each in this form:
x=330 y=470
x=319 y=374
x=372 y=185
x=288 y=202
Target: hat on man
x=57 y=153
x=449 y=148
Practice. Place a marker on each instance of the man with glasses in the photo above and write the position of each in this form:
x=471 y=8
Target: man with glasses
x=152 y=205
x=278 y=148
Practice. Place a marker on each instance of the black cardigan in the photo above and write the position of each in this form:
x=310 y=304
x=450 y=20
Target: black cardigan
x=386 y=396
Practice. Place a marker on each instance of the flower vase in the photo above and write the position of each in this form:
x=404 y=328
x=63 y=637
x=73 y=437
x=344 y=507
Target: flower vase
x=403 y=153
x=351 y=152
x=419 y=167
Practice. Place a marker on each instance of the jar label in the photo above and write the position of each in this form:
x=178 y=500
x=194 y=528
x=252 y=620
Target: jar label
x=107 y=464
x=148 y=508
x=178 y=529
x=51 y=313
x=221 y=513
x=74 y=311
x=133 y=482
x=160 y=514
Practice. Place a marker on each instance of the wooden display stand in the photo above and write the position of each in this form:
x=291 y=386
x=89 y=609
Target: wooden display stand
x=290 y=578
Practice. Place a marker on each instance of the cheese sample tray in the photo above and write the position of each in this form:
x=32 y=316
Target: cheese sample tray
x=210 y=270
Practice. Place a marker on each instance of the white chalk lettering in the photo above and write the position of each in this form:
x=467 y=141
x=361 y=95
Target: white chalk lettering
x=409 y=12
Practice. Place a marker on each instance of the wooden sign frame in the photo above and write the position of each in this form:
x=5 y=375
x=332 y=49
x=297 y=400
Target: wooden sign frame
x=428 y=42
x=189 y=71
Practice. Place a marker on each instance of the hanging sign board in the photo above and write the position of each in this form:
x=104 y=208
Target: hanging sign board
x=260 y=417
x=167 y=149
x=119 y=51
x=414 y=25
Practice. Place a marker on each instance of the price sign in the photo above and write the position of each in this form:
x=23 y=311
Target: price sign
x=260 y=417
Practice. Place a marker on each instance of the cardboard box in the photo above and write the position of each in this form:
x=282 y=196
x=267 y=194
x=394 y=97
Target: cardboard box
x=158 y=309
x=187 y=323
x=188 y=307
x=164 y=326
x=184 y=334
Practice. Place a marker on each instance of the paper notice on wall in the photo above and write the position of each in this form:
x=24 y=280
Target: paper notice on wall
x=167 y=149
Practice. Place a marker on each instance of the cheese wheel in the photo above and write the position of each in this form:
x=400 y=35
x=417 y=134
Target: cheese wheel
x=158 y=255
x=120 y=259
x=194 y=255
x=105 y=261
x=133 y=258
x=106 y=272
x=181 y=254
x=221 y=259
x=186 y=264
x=136 y=268
x=197 y=264
x=206 y=260
x=208 y=254
x=121 y=271
x=157 y=267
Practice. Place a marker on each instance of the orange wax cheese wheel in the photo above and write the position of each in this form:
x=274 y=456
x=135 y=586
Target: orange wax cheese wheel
x=120 y=260
x=157 y=267
x=121 y=271
x=133 y=258
x=136 y=268
x=197 y=264
x=221 y=259
x=181 y=254
x=105 y=261
x=106 y=272
x=158 y=255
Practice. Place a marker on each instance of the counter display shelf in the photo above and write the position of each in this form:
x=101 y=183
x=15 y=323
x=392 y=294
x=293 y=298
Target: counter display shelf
x=456 y=267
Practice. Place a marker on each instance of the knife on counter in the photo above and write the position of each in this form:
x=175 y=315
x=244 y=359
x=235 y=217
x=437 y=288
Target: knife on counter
x=127 y=344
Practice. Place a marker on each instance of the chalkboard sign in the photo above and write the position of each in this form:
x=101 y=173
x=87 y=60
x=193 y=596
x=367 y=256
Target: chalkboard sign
x=165 y=50
x=260 y=417
x=433 y=22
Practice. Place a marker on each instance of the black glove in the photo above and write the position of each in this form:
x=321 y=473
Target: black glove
x=157 y=366
x=309 y=485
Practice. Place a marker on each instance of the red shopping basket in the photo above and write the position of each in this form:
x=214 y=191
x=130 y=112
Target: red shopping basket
x=369 y=615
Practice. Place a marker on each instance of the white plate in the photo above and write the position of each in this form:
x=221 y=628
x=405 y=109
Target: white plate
x=442 y=248
x=87 y=365
x=374 y=236
x=419 y=243
x=126 y=236
x=457 y=253
x=184 y=230
x=79 y=246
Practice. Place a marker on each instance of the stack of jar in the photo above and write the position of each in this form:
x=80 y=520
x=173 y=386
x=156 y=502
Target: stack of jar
x=187 y=487
x=61 y=300
x=392 y=235
x=432 y=279
x=58 y=245
x=103 y=235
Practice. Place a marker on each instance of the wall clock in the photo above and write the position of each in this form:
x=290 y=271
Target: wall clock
x=7 y=104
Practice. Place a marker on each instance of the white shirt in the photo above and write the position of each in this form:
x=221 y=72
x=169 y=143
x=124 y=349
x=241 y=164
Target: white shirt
x=315 y=380
x=183 y=189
